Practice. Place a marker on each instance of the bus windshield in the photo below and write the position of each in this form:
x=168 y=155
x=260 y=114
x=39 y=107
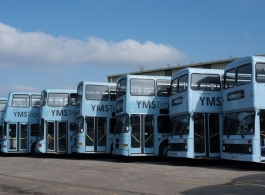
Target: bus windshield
x=180 y=125
x=239 y=123
x=97 y=92
x=20 y=101
x=122 y=124
x=205 y=82
x=142 y=87
x=80 y=125
x=57 y=99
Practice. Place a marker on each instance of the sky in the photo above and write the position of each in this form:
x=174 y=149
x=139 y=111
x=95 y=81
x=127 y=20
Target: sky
x=56 y=44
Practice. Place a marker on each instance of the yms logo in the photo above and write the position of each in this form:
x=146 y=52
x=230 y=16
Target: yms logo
x=25 y=114
x=63 y=113
x=211 y=101
x=152 y=104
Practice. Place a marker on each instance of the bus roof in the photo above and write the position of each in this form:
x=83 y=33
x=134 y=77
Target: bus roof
x=95 y=83
x=245 y=60
x=128 y=76
x=60 y=90
x=197 y=70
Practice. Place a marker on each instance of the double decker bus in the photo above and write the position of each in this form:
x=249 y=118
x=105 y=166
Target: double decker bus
x=57 y=121
x=2 y=111
x=142 y=120
x=95 y=117
x=196 y=113
x=20 y=123
x=244 y=110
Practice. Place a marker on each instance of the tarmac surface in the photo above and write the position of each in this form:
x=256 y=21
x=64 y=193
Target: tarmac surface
x=106 y=175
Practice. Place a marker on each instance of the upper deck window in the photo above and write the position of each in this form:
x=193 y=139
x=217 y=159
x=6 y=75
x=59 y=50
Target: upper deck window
x=20 y=101
x=43 y=98
x=73 y=99
x=112 y=93
x=244 y=74
x=260 y=72
x=35 y=101
x=230 y=78
x=174 y=86
x=58 y=99
x=121 y=88
x=183 y=83
x=205 y=82
x=142 y=87
x=97 y=92
x=163 y=87
x=2 y=105
x=80 y=92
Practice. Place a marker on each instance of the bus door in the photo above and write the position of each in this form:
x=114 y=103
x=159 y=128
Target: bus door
x=262 y=134
x=96 y=134
x=206 y=135
x=142 y=134
x=56 y=136
x=18 y=137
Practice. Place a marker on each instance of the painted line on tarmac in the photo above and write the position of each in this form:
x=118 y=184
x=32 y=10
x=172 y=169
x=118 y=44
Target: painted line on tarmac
x=58 y=185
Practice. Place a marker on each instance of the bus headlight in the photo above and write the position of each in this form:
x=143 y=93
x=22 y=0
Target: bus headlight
x=185 y=146
x=223 y=148
x=249 y=149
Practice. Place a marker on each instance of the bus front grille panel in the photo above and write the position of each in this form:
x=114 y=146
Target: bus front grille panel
x=178 y=147
x=238 y=148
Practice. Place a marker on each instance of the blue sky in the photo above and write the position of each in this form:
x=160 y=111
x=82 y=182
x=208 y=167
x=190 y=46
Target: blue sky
x=56 y=44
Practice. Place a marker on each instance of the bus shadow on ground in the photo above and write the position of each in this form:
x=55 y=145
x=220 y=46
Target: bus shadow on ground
x=154 y=160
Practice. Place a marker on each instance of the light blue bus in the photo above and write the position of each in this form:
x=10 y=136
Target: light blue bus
x=2 y=111
x=196 y=113
x=20 y=122
x=95 y=117
x=57 y=121
x=142 y=120
x=244 y=110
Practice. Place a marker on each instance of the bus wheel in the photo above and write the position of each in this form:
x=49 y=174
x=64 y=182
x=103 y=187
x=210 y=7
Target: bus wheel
x=33 y=149
x=163 y=151
x=111 y=148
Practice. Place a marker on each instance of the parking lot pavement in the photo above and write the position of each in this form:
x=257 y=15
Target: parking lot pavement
x=99 y=174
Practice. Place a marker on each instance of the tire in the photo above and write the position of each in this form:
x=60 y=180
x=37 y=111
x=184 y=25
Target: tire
x=111 y=148
x=33 y=153
x=163 y=151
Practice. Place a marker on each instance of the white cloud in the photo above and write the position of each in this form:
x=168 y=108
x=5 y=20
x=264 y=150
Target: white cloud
x=32 y=49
